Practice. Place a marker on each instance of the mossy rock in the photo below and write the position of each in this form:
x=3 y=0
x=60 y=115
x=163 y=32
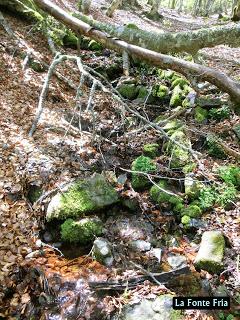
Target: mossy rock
x=70 y=39
x=142 y=164
x=160 y=91
x=230 y=175
x=151 y=150
x=94 y=46
x=179 y=82
x=214 y=149
x=84 y=196
x=190 y=167
x=210 y=254
x=128 y=91
x=220 y=113
x=144 y=95
x=169 y=201
x=173 y=125
x=177 y=97
x=201 y=115
x=192 y=211
x=186 y=220
x=192 y=187
x=82 y=231
x=179 y=156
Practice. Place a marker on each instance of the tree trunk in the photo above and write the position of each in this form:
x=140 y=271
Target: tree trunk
x=187 y=41
x=186 y=68
x=115 y=4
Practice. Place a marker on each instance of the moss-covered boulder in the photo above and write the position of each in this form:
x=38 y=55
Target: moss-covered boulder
x=82 y=231
x=177 y=97
x=84 y=196
x=160 y=90
x=142 y=164
x=151 y=150
x=179 y=82
x=192 y=211
x=128 y=90
x=214 y=148
x=201 y=115
x=179 y=155
x=173 y=125
x=210 y=254
x=186 y=220
x=162 y=195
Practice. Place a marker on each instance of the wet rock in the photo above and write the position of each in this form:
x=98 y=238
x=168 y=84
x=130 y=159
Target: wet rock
x=210 y=254
x=82 y=197
x=102 y=251
x=82 y=231
x=140 y=245
x=177 y=261
x=157 y=309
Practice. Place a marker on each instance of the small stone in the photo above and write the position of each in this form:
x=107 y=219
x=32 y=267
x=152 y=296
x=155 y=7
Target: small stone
x=102 y=251
x=157 y=252
x=177 y=261
x=140 y=245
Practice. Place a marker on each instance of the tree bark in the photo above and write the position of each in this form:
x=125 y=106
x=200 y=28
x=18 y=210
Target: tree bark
x=186 y=68
x=187 y=41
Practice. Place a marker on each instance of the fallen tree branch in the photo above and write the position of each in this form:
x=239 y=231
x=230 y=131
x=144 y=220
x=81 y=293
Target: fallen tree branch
x=162 y=278
x=186 y=68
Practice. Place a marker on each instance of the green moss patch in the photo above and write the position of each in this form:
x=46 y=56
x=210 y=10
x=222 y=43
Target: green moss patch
x=82 y=231
x=142 y=164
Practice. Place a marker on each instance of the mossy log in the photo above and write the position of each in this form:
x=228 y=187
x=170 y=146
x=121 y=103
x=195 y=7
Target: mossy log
x=203 y=73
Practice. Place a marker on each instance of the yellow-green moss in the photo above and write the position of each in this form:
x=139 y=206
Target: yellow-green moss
x=82 y=231
x=192 y=211
x=151 y=150
x=165 y=199
x=142 y=164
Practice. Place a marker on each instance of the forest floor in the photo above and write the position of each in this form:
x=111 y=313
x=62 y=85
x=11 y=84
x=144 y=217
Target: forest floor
x=57 y=153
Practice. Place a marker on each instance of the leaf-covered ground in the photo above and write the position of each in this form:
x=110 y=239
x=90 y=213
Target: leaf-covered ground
x=58 y=153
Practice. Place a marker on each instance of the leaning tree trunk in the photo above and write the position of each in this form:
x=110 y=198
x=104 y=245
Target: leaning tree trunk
x=115 y=4
x=187 y=41
x=186 y=68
